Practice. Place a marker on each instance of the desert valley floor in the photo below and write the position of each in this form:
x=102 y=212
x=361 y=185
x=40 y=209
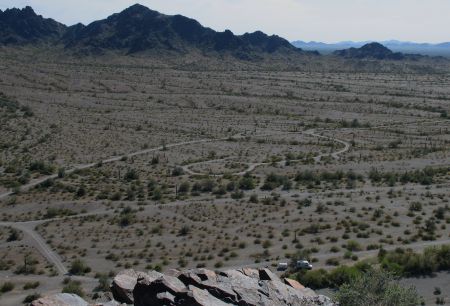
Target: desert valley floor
x=126 y=162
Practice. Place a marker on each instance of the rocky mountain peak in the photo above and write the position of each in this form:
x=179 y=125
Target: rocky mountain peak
x=20 y=26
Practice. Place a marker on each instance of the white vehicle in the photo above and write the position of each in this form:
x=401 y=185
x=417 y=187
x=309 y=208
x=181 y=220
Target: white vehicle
x=304 y=265
x=282 y=266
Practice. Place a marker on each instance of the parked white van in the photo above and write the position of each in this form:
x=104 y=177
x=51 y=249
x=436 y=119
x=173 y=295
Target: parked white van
x=282 y=266
x=304 y=264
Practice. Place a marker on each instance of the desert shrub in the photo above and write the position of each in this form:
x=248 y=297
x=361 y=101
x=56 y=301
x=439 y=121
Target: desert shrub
x=184 y=187
x=318 y=279
x=6 y=287
x=31 y=285
x=353 y=246
x=52 y=212
x=4 y=265
x=131 y=175
x=29 y=265
x=177 y=171
x=220 y=190
x=184 y=231
x=274 y=181
x=41 y=167
x=441 y=212
x=81 y=192
x=9 y=104
x=306 y=177
x=61 y=172
x=31 y=297
x=103 y=283
x=78 y=267
x=157 y=194
x=332 y=262
x=376 y=288
x=375 y=175
x=14 y=235
x=126 y=217
x=407 y=263
x=425 y=176
x=237 y=195
x=253 y=198
x=314 y=279
x=415 y=206
x=116 y=196
x=73 y=287
x=345 y=274
x=247 y=182
x=207 y=185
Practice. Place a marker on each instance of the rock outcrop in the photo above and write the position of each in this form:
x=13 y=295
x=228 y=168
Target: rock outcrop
x=204 y=287
x=200 y=287
x=61 y=299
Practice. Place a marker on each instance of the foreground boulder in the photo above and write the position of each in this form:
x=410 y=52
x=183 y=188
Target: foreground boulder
x=202 y=287
x=123 y=284
x=61 y=299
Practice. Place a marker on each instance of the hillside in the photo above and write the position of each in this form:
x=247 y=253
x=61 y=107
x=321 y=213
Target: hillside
x=25 y=26
x=136 y=29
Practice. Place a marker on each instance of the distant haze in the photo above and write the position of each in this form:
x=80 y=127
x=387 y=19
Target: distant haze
x=307 y=20
x=442 y=49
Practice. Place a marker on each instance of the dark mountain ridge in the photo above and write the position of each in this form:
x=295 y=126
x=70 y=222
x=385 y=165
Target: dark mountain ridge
x=375 y=51
x=24 y=26
x=136 y=29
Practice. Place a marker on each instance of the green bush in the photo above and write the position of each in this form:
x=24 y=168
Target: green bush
x=407 y=263
x=41 y=167
x=6 y=287
x=14 y=235
x=314 y=279
x=78 y=267
x=177 y=171
x=73 y=287
x=184 y=187
x=31 y=285
x=274 y=181
x=376 y=288
x=131 y=175
x=247 y=182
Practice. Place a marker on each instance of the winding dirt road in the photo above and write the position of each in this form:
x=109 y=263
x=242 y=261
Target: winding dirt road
x=111 y=160
x=253 y=166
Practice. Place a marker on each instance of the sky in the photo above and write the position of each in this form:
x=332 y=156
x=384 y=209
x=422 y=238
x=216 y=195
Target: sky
x=308 y=20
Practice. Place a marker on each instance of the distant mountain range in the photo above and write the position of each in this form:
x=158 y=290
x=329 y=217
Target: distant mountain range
x=140 y=29
x=442 y=49
x=375 y=51
x=136 y=29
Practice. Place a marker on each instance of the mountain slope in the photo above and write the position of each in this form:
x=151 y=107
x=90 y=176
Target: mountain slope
x=24 y=26
x=136 y=29
x=139 y=29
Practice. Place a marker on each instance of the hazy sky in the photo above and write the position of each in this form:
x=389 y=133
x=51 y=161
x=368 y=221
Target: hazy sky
x=320 y=20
